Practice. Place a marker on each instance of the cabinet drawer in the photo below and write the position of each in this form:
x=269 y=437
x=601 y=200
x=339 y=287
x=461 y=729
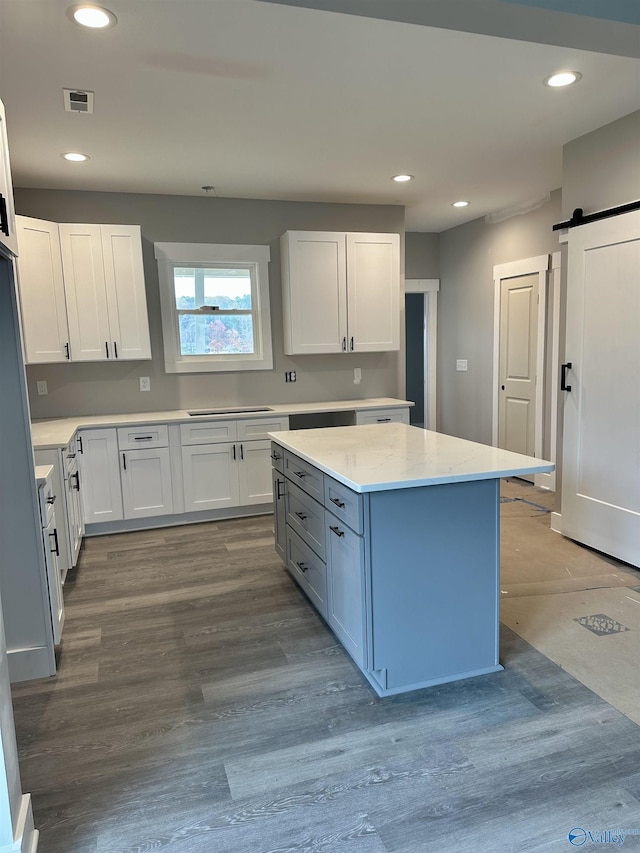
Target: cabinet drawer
x=306 y=517
x=208 y=432
x=344 y=503
x=383 y=416
x=308 y=570
x=304 y=475
x=138 y=437
x=277 y=457
x=260 y=427
x=70 y=457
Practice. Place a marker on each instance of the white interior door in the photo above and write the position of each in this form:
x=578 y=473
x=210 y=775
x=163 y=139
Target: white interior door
x=601 y=445
x=518 y=364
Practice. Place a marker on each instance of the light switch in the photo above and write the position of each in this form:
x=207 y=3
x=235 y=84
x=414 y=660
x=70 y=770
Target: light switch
x=461 y=364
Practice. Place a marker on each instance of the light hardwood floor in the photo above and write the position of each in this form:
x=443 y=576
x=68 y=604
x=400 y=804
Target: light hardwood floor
x=202 y=706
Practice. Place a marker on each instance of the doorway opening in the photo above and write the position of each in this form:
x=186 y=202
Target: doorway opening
x=421 y=316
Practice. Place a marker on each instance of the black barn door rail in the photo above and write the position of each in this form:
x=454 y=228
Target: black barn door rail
x=579 y=218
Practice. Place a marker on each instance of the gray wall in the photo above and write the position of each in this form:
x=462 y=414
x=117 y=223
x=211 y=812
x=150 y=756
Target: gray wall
x=468 y=254
x=113 y=387
x=422 y=259
x=602 y=168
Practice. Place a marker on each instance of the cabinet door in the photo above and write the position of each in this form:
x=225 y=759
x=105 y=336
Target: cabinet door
x=210 y=476
x=100 y=472
x=85 y=292
x=41 y=286
x=54 y=580
x=279 y=513
x=146 y=482
x=74 y=508
x=254 y=472
x=345 y=581
x=8 y=235
x=126 y=298
x=373 y=288
x=314 y=292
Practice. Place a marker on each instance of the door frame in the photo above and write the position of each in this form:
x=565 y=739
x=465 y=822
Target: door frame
x=529 y=266
x=430 y=287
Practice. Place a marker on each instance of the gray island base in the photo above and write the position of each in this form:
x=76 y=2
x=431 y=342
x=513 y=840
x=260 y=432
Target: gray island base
x=393 y=533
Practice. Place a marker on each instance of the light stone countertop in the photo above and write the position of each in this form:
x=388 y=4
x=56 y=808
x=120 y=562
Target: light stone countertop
x=42 y=472
x=58 y=432
x=380 y=457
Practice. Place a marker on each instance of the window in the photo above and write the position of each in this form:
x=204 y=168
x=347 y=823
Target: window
x=215 y=307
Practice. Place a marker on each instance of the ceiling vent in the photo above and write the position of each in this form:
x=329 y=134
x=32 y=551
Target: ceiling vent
x=78 y=101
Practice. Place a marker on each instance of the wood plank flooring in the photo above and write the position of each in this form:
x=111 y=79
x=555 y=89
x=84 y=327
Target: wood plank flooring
x=202 y=706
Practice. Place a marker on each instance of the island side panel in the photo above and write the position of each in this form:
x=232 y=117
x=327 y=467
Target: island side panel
x=434 y=563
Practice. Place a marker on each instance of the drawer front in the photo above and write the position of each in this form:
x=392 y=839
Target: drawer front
x=277 y=457
x=208 y=432
x=139 y=437
x=344 y=503
x=383 y=416
x=70 y=457
x=260 y=427
x=304 y=475
x=306 y=517
x=308 y=570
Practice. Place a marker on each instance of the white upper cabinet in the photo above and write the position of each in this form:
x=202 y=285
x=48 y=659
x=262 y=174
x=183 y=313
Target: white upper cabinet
x=104 y=287
x=8 y=237
x=41 y=287
x=341 y=292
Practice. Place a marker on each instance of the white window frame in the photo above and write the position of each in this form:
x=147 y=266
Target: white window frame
x=257 y=259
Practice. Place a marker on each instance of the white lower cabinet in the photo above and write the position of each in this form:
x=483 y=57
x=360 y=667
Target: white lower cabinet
x=146 y=482
x=209 y=476
x=382 y=416
x=254 y=472
x=100 y=472
x=51 y=536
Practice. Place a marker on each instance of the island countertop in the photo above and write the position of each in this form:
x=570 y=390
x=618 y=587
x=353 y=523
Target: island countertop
x=380 y=457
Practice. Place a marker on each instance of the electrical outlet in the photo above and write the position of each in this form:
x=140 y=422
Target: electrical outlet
x=290 y=376
x=461 y=364
x=145 y=383
x=357 y=375
x=42 y=387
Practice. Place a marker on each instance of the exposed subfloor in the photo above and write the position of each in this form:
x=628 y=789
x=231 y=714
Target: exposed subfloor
x=202 y=706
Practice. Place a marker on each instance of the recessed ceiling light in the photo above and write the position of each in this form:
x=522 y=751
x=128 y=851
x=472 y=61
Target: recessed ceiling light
x=94 y=17
x=460 y=204
x=75 y=157
x=401 y=179
x=562 y=78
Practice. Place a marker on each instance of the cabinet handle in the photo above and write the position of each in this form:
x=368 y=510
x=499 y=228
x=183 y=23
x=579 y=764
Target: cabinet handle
x=143 y=438
x=384 y=420
x=563 y=379
x=124 y=462
x=301 y=516
x=275 y=456
x=115 y=349
x=76 y=476
x=300 y=474
x=351 y=343
x=66 y=351
x=51 y=499
x=302 y=567
x=234 y=453
x=337 y=502
x=80 y=444
x=71 y=455
x=4 y=217
x=344 y=345
x=242 y=452
x=336 y=530
x=278 y=484
x=56 y=549
x=106 y=347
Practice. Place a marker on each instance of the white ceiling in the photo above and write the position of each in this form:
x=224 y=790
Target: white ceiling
x=277 y=102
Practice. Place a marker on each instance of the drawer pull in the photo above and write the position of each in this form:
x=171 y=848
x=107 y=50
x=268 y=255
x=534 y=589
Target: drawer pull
x=71 y=455
x=337 y=502
x=275 y=456
x=300 y=474
x=384 y=420
x=336 y=530
x=301 y=516
x=143 y=438
x=302 y=567
x=51 y=499
x=56 y=545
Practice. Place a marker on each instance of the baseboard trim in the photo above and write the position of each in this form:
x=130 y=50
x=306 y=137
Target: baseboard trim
x=25 y=835
x=29 y=664
x=556 y=522
x=131 y=524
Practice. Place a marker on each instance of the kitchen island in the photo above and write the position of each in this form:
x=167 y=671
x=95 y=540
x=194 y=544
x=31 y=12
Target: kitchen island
x=393 y=532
